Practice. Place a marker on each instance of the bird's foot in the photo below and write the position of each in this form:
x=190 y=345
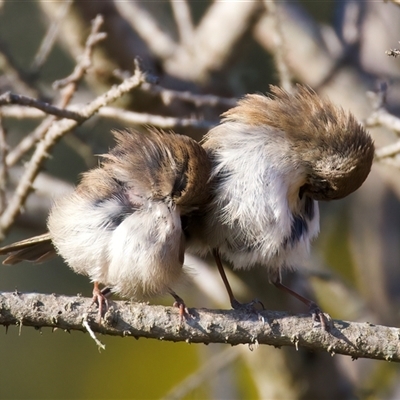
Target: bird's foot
x=249 y=307
x=100 y=298
x=319 y=318
x=236 y=305
x=180 y=304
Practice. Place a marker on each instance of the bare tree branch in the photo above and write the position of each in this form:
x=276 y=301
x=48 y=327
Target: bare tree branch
x=167 y=95
x=29 y=141
x=232 y=327
x=198 y=60
x=209 y=369
x=279 y=46
x=163 y=122
x=183 y=19
x=51 y=36
x=69 y=84
x=384 y=118
x=119 y=114
x=11 y=98
x=160 y=42
x=3 y=165
x=17 y=78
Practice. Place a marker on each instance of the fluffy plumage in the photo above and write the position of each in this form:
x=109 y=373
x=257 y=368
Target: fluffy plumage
x=272 y=159
x=122 y=225
x=250 y=194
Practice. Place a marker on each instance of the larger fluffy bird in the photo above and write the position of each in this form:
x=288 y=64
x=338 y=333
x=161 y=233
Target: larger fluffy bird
x=272 y=159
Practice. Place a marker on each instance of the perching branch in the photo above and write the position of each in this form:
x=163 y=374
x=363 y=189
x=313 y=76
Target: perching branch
x=358 y=340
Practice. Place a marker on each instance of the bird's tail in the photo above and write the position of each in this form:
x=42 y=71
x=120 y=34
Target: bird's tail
x=36 y=249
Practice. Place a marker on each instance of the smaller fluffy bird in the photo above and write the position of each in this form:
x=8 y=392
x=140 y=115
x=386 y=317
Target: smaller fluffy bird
x=273 y=158
x=122 y=226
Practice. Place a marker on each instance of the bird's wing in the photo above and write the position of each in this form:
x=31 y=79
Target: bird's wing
x=36 y=249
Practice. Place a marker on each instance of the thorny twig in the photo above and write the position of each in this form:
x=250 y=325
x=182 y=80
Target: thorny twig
x=123 y=318
x=118 y=114
x=85 y=61
x=83 y=64
x=11 y=98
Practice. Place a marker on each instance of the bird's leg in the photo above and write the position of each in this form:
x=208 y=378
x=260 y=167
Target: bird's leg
x=234 y=303
x=179 y=303
x=317 y=314
x=100 y=297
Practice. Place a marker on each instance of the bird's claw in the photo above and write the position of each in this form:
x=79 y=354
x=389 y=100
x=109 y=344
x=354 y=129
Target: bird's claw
x=100 y=298
x=236 y=305
x=319 y=318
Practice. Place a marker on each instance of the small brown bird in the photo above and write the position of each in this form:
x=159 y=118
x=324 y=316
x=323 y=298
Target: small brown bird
x=272 y=159
x=122 y=226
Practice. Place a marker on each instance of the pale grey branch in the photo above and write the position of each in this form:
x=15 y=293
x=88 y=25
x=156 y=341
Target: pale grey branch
x=233 y=327
x=11 y=98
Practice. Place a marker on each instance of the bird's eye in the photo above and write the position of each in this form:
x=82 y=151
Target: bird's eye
x=302 y=190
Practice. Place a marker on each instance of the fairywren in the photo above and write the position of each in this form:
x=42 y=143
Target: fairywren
x=122 y=226
x=272 y=159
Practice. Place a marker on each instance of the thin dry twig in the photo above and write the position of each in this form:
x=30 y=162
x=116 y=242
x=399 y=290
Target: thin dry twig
x=17 y=78
x=119 y=114
x=124 y=318
x=390 y=150
x=209 y=369
x=203 y=56
x=86 y=324
x=26 y=144
x=69 y=85
x=280 y=49
x=160 y=42
x=382 y=117
x=168 y=95
x=50 y=37
x=3 y=166
x=131 y=117
x=183 y=20
x=11 y=98
x=20 y=112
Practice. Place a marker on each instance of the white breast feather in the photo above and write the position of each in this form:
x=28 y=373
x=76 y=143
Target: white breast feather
x=251 y=202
